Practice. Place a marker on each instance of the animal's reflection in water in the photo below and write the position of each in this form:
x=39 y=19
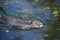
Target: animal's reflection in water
x=21 y=23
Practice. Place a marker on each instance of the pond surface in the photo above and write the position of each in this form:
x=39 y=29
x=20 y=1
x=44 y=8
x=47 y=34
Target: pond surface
x=14 y=7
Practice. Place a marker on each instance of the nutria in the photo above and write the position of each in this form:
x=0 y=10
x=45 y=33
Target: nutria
x=22 y=23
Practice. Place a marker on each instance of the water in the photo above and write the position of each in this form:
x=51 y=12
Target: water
x=11 y=33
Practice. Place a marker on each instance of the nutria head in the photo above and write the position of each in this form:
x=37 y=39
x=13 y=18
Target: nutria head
x=36 y=24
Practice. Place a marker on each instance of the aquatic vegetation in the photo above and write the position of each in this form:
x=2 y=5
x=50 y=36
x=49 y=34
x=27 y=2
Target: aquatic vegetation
x=3 y=10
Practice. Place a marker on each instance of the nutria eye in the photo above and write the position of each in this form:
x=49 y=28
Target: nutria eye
x=30 y=23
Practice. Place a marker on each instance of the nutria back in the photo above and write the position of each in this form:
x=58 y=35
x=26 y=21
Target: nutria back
x=19 y=22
